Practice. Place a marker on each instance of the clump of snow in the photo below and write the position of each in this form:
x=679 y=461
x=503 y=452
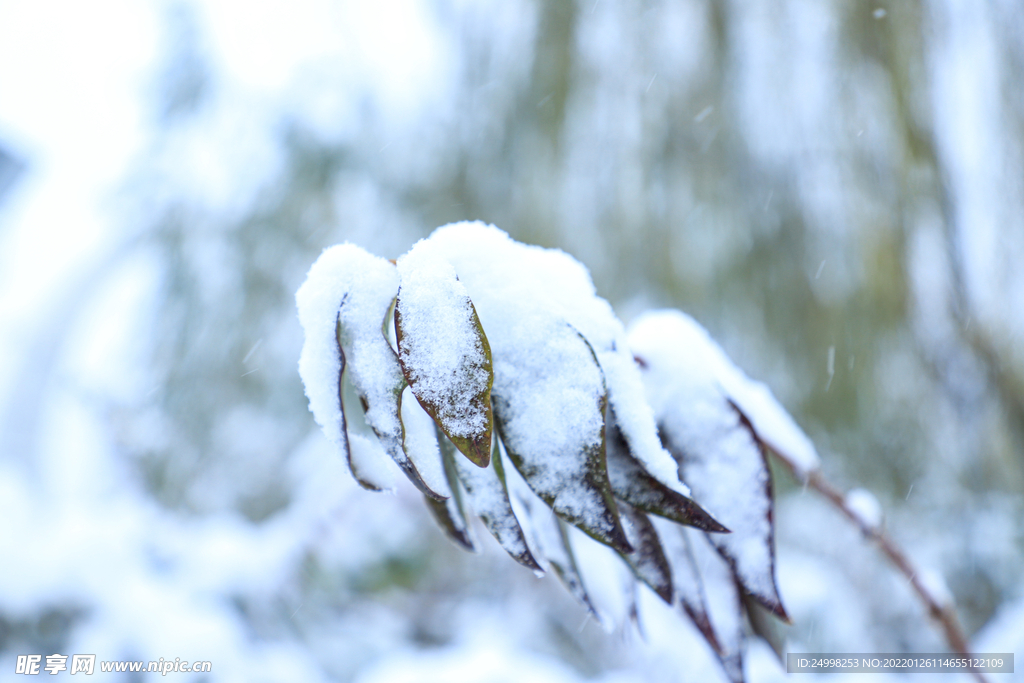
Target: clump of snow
x=865 y=507
x=441 y=349
x=935 y=586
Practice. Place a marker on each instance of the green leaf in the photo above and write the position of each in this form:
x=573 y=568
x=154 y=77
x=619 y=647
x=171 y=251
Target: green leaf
x=648 y=559
x=488 y=498
x=444 y=353
x=631 y=483
x=549 y=405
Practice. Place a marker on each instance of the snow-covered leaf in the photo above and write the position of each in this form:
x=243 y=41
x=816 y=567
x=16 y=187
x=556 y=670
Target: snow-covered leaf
x=443 y=351
x=865 y=508
x=560 y=554
x=648 y=559
x=549 y=404
x=488 y=498
x=635 y=419
x=723 y=602
x=632 y=483
x=686 y=580
x=512 y=284
x=719 y=455
x=370 y=464
x=451 y=514
x=419 y=441
x=549 y=537
x=347 y=294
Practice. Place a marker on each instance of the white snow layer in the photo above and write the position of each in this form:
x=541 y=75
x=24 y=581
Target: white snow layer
x=350 y=285
x=441 y=349
x=534 y=305
x=865 y=507
x=670 y=338
x=521 y=291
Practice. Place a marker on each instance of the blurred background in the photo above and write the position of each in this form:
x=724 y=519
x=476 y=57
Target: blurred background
x=835 y=188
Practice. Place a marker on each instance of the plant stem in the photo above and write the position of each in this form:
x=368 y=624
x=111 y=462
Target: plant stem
x=945 y=614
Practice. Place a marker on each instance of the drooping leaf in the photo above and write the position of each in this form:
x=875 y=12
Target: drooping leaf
x=548 y=536
x=719 y=455
x=724 y=604
x=648 y=559
x=763 y=624
x=549 y=404
x=346 y=446
x=611 y=583
x=443 y=351
x=632 y=483
x=451 y=514
x=341 y=305
x=559 y=552
x=370 y=465
x=419 y=441
x=730 y=474
x=380 y=392
x=686 y=580
x=488 y=498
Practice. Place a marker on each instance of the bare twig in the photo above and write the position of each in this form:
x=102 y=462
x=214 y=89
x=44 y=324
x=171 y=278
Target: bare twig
x=945 y=614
